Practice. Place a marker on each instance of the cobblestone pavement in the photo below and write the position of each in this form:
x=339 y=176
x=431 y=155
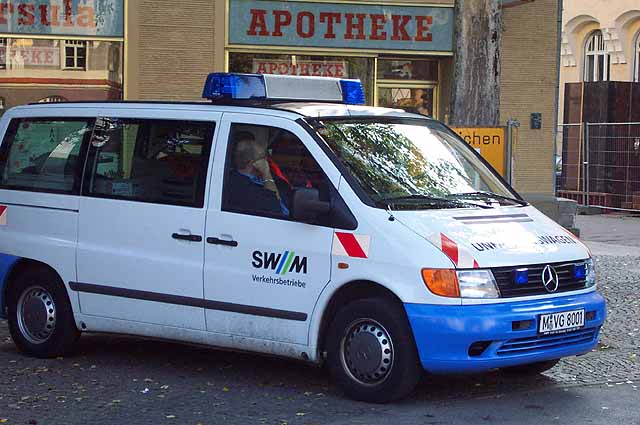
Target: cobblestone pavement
x=123 y=380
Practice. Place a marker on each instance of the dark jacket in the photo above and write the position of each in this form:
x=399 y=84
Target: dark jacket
x=244 y=195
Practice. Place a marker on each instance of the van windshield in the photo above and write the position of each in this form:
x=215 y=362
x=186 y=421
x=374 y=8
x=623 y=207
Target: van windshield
x=413 y=164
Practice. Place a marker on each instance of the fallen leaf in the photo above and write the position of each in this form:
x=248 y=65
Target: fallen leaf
x=170 y=416
x=300 y=414
x=2 y=420
x=225 y=389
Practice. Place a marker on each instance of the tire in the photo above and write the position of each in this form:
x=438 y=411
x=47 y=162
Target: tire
x=41 y=320
x=371 y=353
x=531 y=368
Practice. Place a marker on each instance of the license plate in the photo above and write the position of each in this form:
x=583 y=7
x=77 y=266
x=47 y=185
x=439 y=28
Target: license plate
x=564 y=321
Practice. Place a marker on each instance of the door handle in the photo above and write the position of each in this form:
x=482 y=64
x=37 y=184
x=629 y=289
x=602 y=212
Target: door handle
x=190 y=238
x=217 y=241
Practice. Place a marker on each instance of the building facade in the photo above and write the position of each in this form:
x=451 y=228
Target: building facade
x=600 y=98
x=403 y=51
x=600 y=43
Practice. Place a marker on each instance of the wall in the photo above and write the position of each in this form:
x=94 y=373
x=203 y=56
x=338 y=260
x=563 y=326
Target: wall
x=528 y=84
x=169 y=52
x=619 y=21
x=171 y=46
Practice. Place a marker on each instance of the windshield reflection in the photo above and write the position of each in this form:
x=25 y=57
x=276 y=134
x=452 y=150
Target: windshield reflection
x=409 y=161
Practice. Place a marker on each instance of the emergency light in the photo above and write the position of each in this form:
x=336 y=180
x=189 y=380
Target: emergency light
x=521 y=276
x=580 y=271
x=232 y=86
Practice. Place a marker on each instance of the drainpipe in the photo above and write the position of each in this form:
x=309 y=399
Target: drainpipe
x=557 y=108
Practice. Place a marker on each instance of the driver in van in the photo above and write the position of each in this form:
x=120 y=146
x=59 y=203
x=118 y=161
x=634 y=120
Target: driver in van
x=252 y=186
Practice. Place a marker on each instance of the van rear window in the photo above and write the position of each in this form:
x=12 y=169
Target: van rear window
x=44 y=155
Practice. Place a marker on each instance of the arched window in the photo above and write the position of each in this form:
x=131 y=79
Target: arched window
x=597 y=63
x=636 y=73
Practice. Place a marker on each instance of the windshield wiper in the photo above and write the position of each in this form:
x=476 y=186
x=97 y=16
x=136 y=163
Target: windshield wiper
x=488 y=195
x=431 y=200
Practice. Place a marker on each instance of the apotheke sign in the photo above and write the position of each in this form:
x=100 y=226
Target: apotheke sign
x=340 y=25
x=336 y=69
x=101 y=18
x=31 y=56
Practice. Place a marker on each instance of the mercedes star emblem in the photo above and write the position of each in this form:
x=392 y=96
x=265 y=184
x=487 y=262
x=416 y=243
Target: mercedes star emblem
x=550 y=279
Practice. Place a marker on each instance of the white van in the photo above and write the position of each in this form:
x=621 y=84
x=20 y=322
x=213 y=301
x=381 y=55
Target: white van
x=312 y=228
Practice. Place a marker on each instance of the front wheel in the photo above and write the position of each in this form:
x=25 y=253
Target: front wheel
x=371 y=352
x=41 y=320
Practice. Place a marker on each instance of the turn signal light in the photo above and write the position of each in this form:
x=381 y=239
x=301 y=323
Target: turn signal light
x=443 y=282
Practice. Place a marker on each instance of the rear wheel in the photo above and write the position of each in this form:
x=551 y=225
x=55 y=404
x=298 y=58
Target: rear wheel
x=371 y=353
x=531 y=368
x=40 y=315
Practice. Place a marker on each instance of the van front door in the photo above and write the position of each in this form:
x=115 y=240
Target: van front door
x=264 y=271
x=142 y=218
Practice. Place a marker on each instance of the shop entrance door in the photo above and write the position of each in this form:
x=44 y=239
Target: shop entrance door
x=412 y=97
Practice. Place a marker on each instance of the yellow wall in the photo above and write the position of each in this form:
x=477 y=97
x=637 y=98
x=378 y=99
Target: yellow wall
x=171 y=46
x=528 y=84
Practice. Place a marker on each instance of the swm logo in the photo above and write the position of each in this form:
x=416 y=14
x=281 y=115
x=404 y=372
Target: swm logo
x=281 y=263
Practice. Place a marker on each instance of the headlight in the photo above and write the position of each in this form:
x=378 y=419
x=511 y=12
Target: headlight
x=591 y=272
x=477 y=284
x=461 y=283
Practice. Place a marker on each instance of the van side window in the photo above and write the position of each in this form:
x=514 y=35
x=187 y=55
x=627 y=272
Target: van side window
x=264 y=167
x=147 y=160
x=44 y=155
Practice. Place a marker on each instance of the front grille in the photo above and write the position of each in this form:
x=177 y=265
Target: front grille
x=508 y=288
x=525 y=345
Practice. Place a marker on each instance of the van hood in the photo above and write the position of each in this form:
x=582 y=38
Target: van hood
x=505 y=236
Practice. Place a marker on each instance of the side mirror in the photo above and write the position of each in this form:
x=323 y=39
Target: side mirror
x=307 y=206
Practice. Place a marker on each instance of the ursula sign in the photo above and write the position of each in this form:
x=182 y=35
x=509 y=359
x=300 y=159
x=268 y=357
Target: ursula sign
x=340 y=25
x=102 y=18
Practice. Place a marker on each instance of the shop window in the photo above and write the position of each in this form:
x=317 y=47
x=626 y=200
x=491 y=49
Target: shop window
x=2 y=105
x=637 y=58
x=315 y=66
x=43 y=155
x=3 y=53
x=145 y=160
x=265 y=165
x=75 y=54
x=407 y=69
x=597 y=62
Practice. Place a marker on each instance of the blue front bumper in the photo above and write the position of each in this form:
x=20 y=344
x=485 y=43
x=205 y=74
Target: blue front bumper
x=444 y=334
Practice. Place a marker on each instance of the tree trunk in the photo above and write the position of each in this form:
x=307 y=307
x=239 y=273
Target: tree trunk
x=476 y=78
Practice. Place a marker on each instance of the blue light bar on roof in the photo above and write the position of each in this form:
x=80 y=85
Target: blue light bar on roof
x=234 y=86
x=230 y=86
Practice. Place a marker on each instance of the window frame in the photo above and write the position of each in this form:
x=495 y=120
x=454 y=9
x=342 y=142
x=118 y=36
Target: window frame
x=4 y=44
x=595 y=47
x=334 y=197
x=76 y=45
x=5 y=149
x=636 y=53
x=201 y=186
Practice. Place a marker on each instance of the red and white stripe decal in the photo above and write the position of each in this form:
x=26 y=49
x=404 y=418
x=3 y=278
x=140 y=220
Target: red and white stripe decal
x=460 y=256
x=351 y=245
x=3 y=215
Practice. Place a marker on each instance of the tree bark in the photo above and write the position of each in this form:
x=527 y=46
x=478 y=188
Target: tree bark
x=476 y=79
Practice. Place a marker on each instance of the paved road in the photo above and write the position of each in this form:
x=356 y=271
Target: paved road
x=610 y=229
